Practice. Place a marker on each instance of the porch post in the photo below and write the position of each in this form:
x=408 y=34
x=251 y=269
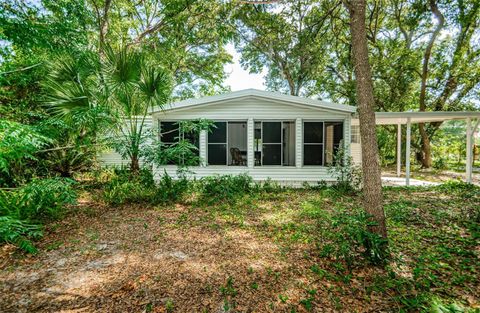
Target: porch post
x=399 y=150
x=298 y=143
x=407 y=153
x=203 y=148
x=468 y=176
x=250 y=143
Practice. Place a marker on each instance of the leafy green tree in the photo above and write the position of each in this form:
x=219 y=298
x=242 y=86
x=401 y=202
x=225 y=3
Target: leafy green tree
x=124 y=86
x=289 y=40
x=186 y=38
x=424 y=54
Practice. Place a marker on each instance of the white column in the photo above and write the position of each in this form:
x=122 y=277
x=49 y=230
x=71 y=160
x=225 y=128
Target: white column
x=203 y=148
x=468 y=177
x=298 y=143
x=407 y=153
x=250 y=143
x=399 y=150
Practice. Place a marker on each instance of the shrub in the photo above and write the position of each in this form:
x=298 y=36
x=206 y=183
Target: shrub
x=347 y=174
x=122 y=190
x=18 y=232
x=225 y=187
x=46 y=198
x=170 y=190
x=345 y=236
x=41 y=198
x=270 y=186
x=22 y=209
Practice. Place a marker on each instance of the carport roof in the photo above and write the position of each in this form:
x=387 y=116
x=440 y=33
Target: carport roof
x=395 y=118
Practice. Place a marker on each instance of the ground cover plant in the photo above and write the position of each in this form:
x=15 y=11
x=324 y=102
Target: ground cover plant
x=267 y=249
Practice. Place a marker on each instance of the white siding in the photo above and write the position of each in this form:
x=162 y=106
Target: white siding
x=250 y=110
x=356 y=151
x=110 y=157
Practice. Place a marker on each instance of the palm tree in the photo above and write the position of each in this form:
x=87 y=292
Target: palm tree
x=124 y=84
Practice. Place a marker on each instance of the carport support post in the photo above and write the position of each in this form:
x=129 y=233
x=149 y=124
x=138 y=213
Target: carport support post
x=407 y=152
x=468 y=176
x=399 y=150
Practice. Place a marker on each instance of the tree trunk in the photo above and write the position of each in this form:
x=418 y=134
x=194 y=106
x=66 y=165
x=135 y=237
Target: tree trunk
x=425 y=140
x=372 y=184
x=426 y=155
x=134 y=165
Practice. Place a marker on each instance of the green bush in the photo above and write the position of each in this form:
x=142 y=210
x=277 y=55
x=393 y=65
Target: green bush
x=39 y=199
x=225 y=187
x=23 y=209
x=47 y=198
x=348 y=175
x=170 y=190
x=19 y=233
x=345 y=236
x=123 y=188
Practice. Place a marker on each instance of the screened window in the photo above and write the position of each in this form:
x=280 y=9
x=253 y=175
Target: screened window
x=171 y=134
x=321 y=141
x=274 y=143
x=227 y=144
x=333 y=140
x=313 y=143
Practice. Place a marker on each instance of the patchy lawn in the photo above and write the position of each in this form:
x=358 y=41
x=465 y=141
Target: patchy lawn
x=265 y=253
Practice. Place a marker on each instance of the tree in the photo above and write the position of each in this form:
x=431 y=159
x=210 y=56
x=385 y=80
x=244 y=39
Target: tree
x=450 y=68
x=290 y=42
x=372 y=184
x=297 y=45
x=186 y=38
x=126 y=89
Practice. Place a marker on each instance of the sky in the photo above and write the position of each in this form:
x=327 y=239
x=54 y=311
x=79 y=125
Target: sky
x=239 y=78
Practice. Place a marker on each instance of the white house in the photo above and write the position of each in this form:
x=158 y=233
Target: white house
x=284 y=138
x=267 y=135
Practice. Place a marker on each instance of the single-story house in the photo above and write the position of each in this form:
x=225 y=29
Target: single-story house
x=269 y=135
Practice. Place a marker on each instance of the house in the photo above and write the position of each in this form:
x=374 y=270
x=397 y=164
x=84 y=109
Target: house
x=269 y=135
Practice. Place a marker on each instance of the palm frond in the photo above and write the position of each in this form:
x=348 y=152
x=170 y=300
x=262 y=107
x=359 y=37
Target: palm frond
x=121 y=68
x=67 y=98
x=155 y=86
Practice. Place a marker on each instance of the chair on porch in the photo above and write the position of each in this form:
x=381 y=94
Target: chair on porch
x=237 y=158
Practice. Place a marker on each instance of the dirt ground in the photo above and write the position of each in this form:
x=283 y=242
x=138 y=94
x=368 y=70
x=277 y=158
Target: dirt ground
x=179 y=258
x=137 y=259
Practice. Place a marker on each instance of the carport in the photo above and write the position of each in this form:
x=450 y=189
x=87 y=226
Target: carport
x=472 y=119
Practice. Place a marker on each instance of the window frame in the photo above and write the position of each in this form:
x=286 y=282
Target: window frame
x=181 y=135
x=323 y=138
x=281 y=121
x=226 y=143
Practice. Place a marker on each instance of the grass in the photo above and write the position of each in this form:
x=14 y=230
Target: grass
x=272 y=251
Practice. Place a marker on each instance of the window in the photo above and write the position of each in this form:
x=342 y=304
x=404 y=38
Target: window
x=313 y=143
x=355 y=134
x=274 y=143
x=227 y=144
x=321 y=140
x=333 y=140
x=170 y=134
